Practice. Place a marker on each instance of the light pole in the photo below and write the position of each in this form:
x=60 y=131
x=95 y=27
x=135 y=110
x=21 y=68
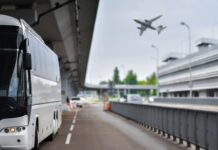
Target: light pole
x=157 y=63
x=190 y=67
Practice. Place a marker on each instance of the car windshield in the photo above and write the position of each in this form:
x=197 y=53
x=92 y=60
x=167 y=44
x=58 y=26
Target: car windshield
x=135 y=97
x=75 y=99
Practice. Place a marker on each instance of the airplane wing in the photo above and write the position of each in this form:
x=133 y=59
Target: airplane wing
x=151 y=20
x=142 y=29
x=141 y=32
x=139 y=22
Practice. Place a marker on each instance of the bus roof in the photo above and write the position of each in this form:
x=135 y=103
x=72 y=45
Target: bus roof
x=7 y=20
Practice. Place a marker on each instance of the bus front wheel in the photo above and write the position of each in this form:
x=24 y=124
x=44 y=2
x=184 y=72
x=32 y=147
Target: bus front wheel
x=36 y=143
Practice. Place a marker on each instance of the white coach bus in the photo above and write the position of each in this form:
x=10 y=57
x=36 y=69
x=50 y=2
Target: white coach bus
x=30 y=87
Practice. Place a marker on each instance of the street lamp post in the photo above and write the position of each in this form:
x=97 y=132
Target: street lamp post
x=190 y=67
x=157 y=63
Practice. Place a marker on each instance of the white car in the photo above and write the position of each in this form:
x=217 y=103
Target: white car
x=134 y=98
x=151 y=98
x=122 y=99
x=76 y=101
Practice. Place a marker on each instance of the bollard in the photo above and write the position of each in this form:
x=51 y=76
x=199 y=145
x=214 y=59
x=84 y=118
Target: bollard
x=188 y=144
x=180 y=141
x=197 y=147
x=174 y=138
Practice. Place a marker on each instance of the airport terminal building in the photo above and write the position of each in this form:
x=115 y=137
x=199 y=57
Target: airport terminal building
x=197 y=73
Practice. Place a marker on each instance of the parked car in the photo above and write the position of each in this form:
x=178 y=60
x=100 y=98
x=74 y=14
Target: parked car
x=76 y=101
x=122 y=99
x=151 y=98
x=134 y=98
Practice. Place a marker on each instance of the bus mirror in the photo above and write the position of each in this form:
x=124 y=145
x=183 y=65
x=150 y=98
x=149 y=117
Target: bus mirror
x=27 y=62
x=24 y=44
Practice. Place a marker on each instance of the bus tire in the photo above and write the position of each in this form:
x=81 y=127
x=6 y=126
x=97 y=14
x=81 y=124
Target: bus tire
x=51 y=137
x=36 y=143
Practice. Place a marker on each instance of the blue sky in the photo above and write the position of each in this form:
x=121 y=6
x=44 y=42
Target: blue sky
x=116 y=40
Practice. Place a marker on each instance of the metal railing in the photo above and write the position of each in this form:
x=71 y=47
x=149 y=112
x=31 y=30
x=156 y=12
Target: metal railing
x=198 y=127
x=210 y=101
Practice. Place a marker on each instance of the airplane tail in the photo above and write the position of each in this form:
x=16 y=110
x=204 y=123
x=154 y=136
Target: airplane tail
x=160 y=29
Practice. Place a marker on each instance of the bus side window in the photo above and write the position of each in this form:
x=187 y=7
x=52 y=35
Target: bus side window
x=31 y=49
x=42 y=61
x=57 y=71
x=37 y=55
x=54 y=67
x=48 y=66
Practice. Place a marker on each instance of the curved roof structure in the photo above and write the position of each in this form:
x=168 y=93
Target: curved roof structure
x=67 y=29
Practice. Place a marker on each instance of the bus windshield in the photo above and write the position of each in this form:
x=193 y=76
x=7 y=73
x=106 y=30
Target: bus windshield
x=8 y=78
x=10 y=37
x=10 y=40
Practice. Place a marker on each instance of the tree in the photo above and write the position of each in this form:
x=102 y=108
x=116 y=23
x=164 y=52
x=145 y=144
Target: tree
x=152 y=80
x=116 y=76
x=131 y=78
x=142 y=82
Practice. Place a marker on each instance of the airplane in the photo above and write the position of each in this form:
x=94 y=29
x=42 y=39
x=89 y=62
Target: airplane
x=147 y=24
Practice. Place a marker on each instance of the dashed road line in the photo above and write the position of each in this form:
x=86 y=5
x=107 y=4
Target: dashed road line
x=74 y=121
x=68 y=138
x=71 y=127
x=67 y=142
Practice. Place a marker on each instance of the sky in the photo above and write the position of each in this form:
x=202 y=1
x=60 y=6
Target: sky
x=116 y=41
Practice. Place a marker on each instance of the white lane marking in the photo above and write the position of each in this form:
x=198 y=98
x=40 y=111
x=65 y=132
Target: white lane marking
x=68 y=138
x=71 y=127
x=74 y=121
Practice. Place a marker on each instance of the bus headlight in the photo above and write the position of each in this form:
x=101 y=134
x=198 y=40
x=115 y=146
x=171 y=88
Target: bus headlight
x=13 y=129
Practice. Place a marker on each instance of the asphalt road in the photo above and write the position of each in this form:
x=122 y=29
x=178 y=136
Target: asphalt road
x=92 y=129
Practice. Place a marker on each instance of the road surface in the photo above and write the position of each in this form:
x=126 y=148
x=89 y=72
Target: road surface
x=92 y=129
